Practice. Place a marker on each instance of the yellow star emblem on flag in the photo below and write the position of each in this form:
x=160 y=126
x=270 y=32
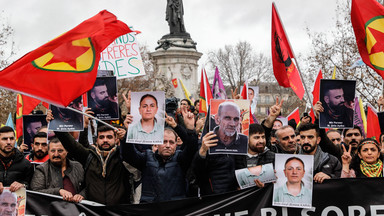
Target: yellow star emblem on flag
x=77 y=56
x=374 y=40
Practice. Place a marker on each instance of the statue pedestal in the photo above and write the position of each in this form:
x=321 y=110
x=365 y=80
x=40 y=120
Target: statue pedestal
x=176 y=57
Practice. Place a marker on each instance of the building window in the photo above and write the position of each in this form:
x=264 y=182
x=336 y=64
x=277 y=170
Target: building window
x=267 y=99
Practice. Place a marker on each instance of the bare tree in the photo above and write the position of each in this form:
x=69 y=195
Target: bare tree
x=240 y=63
x=338 y=48
x=7 y=98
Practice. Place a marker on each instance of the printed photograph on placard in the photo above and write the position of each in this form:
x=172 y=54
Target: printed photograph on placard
x=148 y=111
x=13 y=203
x=31 y=125
x=230 y=122
x=65 y=119
x=102 y=98
x=294 y=184
x=337 y=98
x=246 y=177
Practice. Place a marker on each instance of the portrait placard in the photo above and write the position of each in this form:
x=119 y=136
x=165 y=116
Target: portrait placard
x=31 y=124
x=294 y=184
x=102 y=98
x=245 y=177
x=148 y=111
x=230 y=122
x=13 y=203
x=65 y=119
x=337 y=98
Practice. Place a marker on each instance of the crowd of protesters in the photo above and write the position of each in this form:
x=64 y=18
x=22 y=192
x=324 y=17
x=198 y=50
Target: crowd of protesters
x=111 y=171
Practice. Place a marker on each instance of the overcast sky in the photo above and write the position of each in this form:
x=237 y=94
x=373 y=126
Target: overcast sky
x=211 y=23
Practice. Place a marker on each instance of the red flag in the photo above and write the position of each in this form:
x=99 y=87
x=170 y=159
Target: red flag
x=373 y=126
x=24 y=106
x=367 y=17
x=244 y=92
x=63 y=69
x=205 y=93
x=316 y=88
x=174 y=82
x=295 y=114
x=283 y=67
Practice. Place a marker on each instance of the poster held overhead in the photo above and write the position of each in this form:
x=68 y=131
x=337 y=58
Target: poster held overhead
x=148 y=111
x=337 y=98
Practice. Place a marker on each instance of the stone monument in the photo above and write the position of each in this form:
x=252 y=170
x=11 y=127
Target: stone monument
x=176 y=55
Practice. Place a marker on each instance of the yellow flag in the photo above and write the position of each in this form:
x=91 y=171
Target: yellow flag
x=334 y=73
x=186 y=92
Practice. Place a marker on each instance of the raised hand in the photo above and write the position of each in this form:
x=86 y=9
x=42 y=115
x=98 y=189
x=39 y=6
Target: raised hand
x=189 y=119
x=235 y=95
x=127 y=100
x=276 y=108
x=346 y=157
x=208 y=141
x=318 y=108
x=170 y=121
x=128 y=120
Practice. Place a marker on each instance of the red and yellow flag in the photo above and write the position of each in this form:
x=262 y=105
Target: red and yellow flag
x=367 y=17
x=283 y=67
x=66 y=67
x=205 y=93
x=174 y=82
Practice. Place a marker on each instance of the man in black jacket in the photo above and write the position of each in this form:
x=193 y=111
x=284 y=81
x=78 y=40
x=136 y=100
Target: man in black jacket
x=15 y=170
x=164 y=171
x=106 y=178
x=326 y=166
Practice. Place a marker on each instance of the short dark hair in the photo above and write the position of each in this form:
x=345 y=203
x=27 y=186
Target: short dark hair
x=354 y=127
x=148 y=95
x=40 y=135
x=256 y=128
x=294 y=158
x=309 y=126
x=54 y=140
x=6 y=129
x=196 y=101
x=104 y=128
x=171 y=130
x=252 y=90
x=186 y=100
x=99 y=82
x=331 y=86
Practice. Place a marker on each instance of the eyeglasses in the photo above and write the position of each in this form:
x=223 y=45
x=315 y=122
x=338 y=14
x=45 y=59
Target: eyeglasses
x=337 y=139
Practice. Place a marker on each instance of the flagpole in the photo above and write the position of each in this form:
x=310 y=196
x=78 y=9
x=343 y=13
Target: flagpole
x=294 y=57
x=90 y=116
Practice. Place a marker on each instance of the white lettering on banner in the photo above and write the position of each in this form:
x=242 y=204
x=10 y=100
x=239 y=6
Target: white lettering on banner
x=333 y=209
x=264 y=212
x=353 y=209
x=240 y=213
x=304 y=212
x=375 y=208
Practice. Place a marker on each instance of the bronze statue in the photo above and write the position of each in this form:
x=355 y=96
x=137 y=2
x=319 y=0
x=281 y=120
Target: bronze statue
x=174 y=16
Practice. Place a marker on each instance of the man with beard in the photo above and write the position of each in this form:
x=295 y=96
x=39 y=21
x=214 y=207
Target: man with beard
x=100 y=104
x=351 y=137
x=258 y=153
x=39 y=147
x=335 y=114
x=15 y=170
x=228 y=121
x=59 y=175
x=326 y=166
x=106 y=178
